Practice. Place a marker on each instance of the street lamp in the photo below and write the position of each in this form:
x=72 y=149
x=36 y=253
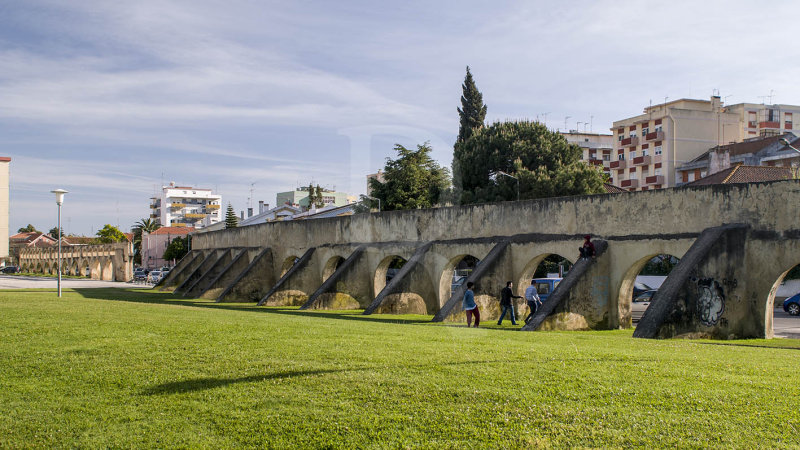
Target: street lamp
x=500 y=172
x=786 y=143
x=374 y=198
x=59 y=200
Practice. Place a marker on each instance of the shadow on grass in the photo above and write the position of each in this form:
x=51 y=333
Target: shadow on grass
x=167 y=298
x=202 y=384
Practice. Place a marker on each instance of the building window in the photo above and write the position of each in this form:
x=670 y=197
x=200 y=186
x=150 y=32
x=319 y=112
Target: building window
x=632 y=154
x=621 y=157
x=657 y=171
x=658 y=128
x=620 y=137
x=632 y=133
x=606 y=157
x=644 y=152
x=645 y=130
x=657 y=150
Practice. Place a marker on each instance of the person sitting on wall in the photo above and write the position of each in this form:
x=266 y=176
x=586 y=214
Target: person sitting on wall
x=587 y=251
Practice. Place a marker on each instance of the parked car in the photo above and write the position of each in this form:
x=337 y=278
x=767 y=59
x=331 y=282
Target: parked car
x=154 y=276
x=792 y=305
x=11 y=269
x=457 y=282
x=645 y=297
x=640 y=304
x=639 y=289
x=545 y=286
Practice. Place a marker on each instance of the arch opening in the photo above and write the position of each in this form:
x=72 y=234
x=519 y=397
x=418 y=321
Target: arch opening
x=288 y=263
x=386 y=271
x=331 y=266
x=783 y=306
x=546 y=270
x=455 y=273
x=640 y=283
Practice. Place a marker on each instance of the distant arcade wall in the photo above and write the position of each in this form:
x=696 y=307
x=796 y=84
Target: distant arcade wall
x=741 y=239
x=110 y=262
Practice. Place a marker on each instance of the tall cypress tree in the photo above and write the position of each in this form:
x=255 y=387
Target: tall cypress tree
x=231 y=221
x=472 y=111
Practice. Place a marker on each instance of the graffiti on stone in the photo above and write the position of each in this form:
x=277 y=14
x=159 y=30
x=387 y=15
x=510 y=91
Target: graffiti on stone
x=710 y=301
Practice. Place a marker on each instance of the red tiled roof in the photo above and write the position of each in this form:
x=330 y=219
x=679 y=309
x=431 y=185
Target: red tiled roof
x=173 y=230
x=611 y=189
x=751 y=146
x=745 y=174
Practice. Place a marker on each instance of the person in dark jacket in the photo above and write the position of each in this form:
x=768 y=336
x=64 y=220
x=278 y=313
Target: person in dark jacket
x=587 y=251
x=507 y=304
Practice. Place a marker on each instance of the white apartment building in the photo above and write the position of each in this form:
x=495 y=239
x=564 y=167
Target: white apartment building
x=596 y=147
x=186 y=206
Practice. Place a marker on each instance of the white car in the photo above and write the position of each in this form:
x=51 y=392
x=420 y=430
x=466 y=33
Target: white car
x=154 y=276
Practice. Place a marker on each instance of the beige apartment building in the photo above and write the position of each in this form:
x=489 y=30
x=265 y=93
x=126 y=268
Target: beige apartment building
x=4 y=180
x=649 y=148
x=597 y=147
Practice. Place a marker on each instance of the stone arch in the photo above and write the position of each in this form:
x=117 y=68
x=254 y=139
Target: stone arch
x=626 y=288
x=446 y=281
x=330 y=267
x=530 y=268
x=83 y=265
x=287 y=263
x=382 y=272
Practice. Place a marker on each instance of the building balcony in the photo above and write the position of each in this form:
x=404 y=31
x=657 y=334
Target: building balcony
x=631 y=141
x=618 y=164
x=154 y=216
x=752 y=124
x=194 y=216
x=641 y=160
x=595 y=161
x=776 y=125
x=654 y=136
x=178 y=205
x=212 y=207
x=177 y=224
x=655 y=179
x=630 y=183
x=154 y=205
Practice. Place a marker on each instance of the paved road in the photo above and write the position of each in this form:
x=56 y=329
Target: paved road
x=21 y=282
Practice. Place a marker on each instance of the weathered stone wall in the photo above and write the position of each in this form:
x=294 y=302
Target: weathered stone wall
x=112 y=262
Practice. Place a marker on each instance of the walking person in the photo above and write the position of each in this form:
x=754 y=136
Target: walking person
x=469 y=305
x=532 y=297
x=507 y=304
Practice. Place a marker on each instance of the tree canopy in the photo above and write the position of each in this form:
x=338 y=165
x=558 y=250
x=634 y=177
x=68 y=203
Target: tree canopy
x=413 y=180
x=29 y=229
x=473 y=111
x=231 y=221
x=542 y=161
x=315 y=197
x=109 y=234
x=54 y=232
x=177 y=249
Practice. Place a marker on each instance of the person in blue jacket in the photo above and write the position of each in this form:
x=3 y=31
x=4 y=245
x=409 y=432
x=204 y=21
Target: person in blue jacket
x=469 y=305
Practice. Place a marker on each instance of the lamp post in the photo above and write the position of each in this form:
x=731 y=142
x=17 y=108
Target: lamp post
x=59 y=200
x=795 y=171
x=375 y=198
x=500 y=172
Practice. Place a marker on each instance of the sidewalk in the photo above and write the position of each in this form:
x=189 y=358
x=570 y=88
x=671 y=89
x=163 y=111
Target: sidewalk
x=22 y=282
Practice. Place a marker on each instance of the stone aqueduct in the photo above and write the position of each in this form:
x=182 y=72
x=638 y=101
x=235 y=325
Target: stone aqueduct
x=736 y=242
x=110 y=262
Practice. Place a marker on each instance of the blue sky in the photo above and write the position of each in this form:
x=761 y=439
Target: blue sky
x=109 y=99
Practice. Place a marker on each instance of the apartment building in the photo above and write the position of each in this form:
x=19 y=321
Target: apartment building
x=597 y=147
x=186 y=206
x=649 y=148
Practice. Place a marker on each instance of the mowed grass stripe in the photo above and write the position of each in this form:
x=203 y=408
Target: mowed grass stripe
x=132 y=368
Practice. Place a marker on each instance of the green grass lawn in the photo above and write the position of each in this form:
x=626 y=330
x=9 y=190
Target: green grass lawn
x=136 y=368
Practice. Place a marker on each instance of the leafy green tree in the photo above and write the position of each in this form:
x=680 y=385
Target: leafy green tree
x=413 y=180
x=54 y=232
x=473 y=111
x=315 y=196
x=146 y=225
x=659 y=265
x=542 y=161
x=109 y=234
x=231 y=221
x=29 y=229
x=177 y=249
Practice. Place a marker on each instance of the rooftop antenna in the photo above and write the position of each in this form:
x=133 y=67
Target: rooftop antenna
x=578 y=124
x=771 y=93
x=591 y=120
x=545 y=118
x=250 y=198
x=565 y=123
